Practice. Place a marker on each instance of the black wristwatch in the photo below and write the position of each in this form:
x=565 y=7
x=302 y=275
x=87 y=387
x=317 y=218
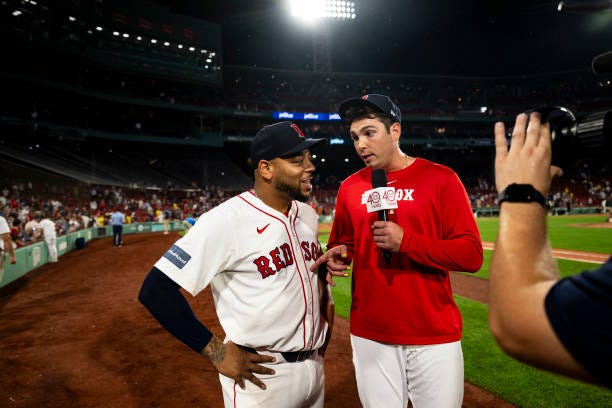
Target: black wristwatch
x=521 y=193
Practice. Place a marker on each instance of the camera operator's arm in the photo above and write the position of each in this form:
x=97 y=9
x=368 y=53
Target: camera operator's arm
x=522 y=268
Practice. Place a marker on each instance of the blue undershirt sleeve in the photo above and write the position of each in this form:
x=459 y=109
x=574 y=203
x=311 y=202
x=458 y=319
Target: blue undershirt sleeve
x=162 y=297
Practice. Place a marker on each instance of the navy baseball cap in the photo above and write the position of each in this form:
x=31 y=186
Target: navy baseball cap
x=283 y=139
x=380 y=103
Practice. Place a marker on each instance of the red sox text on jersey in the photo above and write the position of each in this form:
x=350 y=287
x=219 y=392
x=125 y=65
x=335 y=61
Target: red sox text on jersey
x=401 y=194
x=281 y=257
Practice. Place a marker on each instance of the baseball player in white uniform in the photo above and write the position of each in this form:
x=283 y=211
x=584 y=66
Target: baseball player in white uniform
x=6 y=245
x=49 y=234
x=255 y=251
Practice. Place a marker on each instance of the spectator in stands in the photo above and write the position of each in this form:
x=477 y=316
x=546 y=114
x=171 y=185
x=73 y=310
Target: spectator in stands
x=73 y=223
x=561 y=325
x=17 y=233
x=49 y=234
x=6 y=245
x=85 y=220
x=117 y=220
x=167 y=216
x=32 y=232
x=159 y=215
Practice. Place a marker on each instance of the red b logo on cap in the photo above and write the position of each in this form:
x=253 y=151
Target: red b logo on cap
x=297 y=129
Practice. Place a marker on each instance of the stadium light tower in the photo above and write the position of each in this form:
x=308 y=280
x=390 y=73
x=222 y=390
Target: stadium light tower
x=311 y=11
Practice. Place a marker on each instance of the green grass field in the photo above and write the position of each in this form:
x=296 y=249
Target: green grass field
x=485 y=364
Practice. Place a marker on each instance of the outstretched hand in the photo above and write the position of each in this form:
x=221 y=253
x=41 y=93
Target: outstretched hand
x=528 y=159
x=237 y=363
x=337 y=263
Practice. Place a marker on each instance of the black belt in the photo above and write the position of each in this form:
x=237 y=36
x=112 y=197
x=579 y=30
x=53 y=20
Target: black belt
x=289 y=356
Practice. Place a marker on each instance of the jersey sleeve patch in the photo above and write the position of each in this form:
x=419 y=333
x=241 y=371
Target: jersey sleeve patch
x=177 y=256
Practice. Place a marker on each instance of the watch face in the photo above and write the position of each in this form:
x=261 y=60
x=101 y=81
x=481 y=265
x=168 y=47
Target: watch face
x=521 y=191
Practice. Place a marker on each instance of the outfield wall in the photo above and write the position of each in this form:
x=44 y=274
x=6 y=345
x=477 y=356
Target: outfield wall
x=33 y=256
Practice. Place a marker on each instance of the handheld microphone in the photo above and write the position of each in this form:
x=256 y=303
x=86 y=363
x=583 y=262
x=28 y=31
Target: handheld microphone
x=379 y=179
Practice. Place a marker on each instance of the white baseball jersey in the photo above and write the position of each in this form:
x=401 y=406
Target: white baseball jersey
x=4 y=229
x=257 y=261
x=48 y=228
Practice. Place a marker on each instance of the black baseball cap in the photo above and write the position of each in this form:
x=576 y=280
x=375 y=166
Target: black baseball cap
x=378 y=102
x=282 y=139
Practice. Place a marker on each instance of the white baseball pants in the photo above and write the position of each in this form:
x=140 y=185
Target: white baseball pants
x=388 y=375
x=294 y=385
x=52 y=247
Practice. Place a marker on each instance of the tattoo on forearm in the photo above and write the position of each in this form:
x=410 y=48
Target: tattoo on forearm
x=214 y=350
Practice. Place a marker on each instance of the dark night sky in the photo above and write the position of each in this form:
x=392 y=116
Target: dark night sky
x=427 y=37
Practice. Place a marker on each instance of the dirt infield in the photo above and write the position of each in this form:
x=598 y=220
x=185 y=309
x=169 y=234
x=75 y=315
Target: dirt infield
x=74 y=334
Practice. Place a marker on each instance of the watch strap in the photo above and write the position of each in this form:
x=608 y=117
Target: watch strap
x=521 y=193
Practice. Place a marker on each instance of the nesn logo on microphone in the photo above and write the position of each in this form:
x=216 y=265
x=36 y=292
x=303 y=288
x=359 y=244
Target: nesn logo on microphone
x=177 y=256
x=380 y=198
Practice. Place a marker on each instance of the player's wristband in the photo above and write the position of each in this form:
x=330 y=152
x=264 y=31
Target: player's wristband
x=521 y=193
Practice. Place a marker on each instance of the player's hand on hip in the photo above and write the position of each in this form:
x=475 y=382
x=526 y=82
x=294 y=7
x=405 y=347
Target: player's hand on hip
x=240 y=365
x=387 y=235
x=337 y=263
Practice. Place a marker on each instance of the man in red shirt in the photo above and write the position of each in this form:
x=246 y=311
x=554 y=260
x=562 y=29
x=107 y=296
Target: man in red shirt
x=405 y=326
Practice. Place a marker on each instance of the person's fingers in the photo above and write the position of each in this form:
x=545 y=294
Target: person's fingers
x=339 y=272
x=259 y=369
x=556 y=171
x=501 y=145
x=330 y=280
x=379 y=229
x=341 y=251
x=240 y=382
x=518 y=134
x=337 y=265
x=533 y=130
x=545 y=140
x=319 y=261
x=261 y=358
x=256 y=381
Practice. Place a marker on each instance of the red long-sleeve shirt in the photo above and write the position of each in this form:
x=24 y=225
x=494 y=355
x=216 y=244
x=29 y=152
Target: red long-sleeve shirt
x=408 y=301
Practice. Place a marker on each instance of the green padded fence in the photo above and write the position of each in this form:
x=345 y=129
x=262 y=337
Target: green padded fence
x=33 y=256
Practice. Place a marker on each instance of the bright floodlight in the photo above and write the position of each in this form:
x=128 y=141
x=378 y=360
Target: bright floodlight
x=310 y=10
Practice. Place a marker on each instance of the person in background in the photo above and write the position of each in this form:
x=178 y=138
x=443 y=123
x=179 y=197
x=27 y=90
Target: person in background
x=73 y=223
x=117 y=219
x=49 y=234
x=6 y=245
x=560 y=325
x=17 y=233
x=188 y=223
x=167 y=215
x=32 y=231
